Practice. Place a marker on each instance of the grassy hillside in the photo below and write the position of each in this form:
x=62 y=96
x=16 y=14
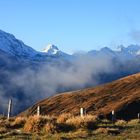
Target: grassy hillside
x=60 y=119
x=122 y=95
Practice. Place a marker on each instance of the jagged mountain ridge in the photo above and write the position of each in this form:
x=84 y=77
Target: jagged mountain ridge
x=15 y=47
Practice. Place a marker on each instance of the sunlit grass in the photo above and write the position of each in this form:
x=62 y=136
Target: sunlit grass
x=67 y=126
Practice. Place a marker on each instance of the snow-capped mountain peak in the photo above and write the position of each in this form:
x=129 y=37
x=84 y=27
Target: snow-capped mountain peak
x=131 y=50
x=51 y=49
x=14 y=47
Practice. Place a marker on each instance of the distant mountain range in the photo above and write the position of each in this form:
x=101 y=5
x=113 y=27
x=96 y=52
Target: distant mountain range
x=28 y=75
x=14 y=47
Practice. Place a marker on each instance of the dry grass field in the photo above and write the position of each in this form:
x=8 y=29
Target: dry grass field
x=68 y=127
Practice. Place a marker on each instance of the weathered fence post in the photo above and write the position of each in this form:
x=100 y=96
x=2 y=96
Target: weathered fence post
x=113 y=116
x=81 y=112
x=139 y=117
x=38 y=110
x=9 y=109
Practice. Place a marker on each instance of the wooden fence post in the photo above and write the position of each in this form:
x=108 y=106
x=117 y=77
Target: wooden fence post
x=139 y=117
x=81 y=112
x=113 y=116
x=9 y=109
x=38 y=110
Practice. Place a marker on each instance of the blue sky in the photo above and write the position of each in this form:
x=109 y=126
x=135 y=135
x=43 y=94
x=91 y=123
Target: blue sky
x=72 y=25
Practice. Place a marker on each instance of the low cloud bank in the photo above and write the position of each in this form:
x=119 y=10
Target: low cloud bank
x=28 y=85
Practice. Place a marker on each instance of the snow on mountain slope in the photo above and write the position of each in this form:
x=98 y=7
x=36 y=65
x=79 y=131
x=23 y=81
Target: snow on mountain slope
x=120 y=52
x=133 y=50
x=127 y=53
x=51 y=49
x=13 y=46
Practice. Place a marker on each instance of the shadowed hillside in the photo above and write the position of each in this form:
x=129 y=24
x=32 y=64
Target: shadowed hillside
x=122 y=95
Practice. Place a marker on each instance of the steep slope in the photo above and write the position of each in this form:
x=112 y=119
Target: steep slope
x=15 y=47
x=122 y=95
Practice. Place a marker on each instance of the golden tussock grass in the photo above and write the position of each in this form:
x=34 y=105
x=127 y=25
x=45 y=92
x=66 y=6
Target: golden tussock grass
x=19 y=121
x=134 y=122
x=3 y=130
x=88 y=121
x=5 y=125
x=114 y=131
x=34 y=124
x=64 y=117
x=120 y=123
x=50 y=128
x=101 y=130
x=63 y=123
